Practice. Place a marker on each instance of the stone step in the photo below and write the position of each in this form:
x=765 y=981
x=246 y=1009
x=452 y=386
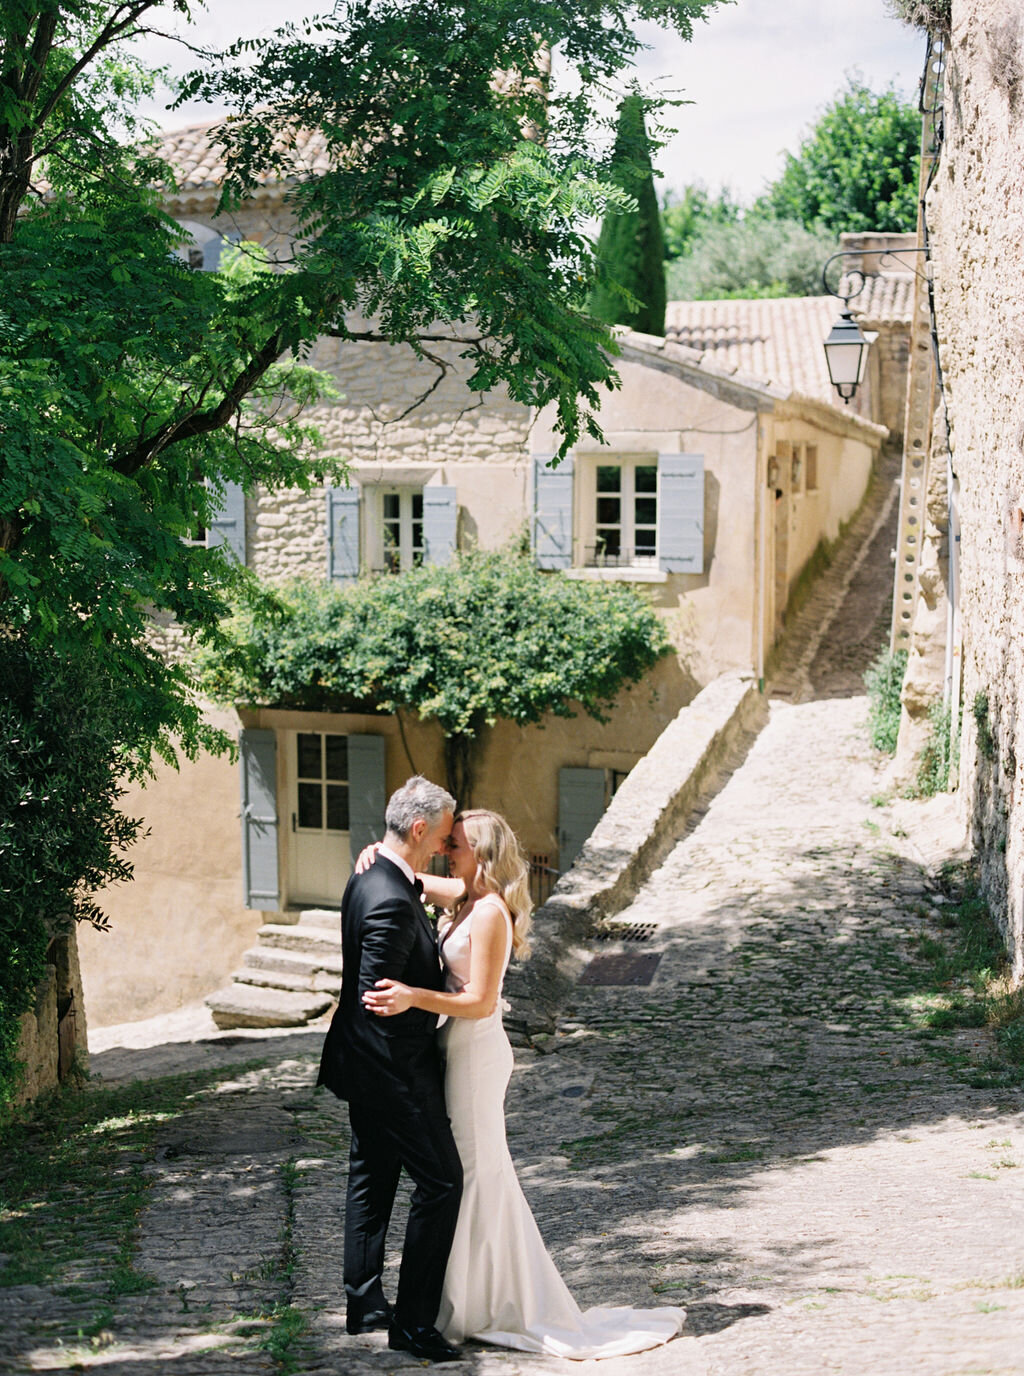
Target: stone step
x=293 y=962
x=320 y=917
x=248 y=1005
x=274 y=979
x=312 y=940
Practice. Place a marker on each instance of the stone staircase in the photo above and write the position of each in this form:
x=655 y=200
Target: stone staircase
x=289 y=978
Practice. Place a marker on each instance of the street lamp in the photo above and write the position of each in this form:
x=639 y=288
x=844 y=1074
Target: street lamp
x=846 y=352
x=846 y=349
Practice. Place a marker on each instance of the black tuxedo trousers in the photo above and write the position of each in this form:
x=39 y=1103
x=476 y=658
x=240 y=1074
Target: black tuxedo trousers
x=390 y=1072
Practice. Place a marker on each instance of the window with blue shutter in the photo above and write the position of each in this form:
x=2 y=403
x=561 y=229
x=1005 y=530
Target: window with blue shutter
x=681 y=513
x=552 y=512
x=581 y=805
x=367 y=791
x=258 y=761
x=227 y=524
x=342 y=534
x=439 y=520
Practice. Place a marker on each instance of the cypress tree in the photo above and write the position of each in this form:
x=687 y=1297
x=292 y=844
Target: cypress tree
x=631 y=245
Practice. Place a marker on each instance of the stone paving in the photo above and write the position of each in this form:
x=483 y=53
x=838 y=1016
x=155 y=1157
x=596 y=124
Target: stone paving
x=763 y=1134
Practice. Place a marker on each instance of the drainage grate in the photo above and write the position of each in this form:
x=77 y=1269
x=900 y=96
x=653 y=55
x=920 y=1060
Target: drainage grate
x=621 y=969
x=624 y=931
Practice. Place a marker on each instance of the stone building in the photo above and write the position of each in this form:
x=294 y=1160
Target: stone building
x=975 y=215
x=722 y=474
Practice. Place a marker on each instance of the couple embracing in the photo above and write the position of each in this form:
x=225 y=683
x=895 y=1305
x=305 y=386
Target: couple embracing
x=418 y=1049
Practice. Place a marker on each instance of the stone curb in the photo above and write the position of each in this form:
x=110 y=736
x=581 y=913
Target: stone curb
x=644 y=821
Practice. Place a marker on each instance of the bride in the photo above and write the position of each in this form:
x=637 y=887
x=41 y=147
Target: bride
x=501 y=1286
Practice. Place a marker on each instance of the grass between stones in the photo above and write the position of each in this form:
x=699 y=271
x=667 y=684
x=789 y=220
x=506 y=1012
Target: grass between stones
x=73 y=1185
x=968 y=983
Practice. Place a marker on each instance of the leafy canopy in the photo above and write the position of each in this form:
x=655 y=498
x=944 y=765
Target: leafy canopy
x=858 y=167
x=750 y=258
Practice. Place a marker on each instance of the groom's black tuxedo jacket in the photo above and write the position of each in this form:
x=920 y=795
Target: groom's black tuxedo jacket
x=385 y=934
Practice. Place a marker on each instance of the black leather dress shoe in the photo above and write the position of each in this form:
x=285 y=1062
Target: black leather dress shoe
x=369 y=1322
x=425 y=1343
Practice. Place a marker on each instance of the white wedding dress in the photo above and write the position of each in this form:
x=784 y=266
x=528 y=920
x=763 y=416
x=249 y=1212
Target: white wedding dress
x=501 y=1286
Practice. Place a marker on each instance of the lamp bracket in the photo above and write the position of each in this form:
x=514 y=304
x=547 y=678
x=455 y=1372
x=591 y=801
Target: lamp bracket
x=859 y=276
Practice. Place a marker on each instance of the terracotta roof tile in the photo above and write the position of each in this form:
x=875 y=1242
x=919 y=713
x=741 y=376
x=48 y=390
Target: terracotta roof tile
x=198 y=158
x=777 y=340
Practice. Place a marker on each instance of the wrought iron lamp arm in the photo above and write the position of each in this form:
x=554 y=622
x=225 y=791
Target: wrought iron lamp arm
x=893 y=255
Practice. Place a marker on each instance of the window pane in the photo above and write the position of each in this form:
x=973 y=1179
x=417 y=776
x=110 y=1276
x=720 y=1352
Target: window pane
x=391 y=506
x=609 y=478
x=609 y=511
x=646 y=541
x=645 y=477
x=310 y=806
x=309 y=756
x=417 y=506
x=609 y=544
x=337 y=807
x=336 y=751
x=647 y=511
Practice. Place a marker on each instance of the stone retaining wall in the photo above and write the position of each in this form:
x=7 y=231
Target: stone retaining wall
x=645 y=819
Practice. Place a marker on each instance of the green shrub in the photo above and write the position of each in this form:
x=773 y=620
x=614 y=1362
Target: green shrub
x=884 y=680
x=940 y=752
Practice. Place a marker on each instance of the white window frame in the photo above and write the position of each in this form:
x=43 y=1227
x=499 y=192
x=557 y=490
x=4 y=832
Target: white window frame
x=587 y=523
x=410 y=555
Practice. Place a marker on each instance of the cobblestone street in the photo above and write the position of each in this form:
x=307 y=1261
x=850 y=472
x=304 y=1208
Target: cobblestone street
x=766 y=1134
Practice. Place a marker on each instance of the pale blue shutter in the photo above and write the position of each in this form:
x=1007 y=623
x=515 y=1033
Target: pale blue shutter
x=581 y=800
x=213 y=249
x=552 y=512
x=258 y=751
x=342 y=534
x=227 y=525
x=681 y=513
x=367 y=791
x=439 y=516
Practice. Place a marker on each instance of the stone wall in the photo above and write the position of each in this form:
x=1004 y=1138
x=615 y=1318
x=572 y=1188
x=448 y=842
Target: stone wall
x=975 y=215
x=53 y=1043
x=642 y=824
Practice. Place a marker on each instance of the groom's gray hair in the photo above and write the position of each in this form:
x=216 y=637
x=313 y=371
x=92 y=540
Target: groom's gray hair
x=417 y=798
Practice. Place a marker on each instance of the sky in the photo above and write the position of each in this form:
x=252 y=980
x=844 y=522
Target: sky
x=758 y=71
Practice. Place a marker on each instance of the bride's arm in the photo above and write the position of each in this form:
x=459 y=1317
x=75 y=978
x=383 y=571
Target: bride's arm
x=478 y=998
x=437 y=889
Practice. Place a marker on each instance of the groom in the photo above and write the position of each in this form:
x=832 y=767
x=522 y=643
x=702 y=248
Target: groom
x=389 y=1070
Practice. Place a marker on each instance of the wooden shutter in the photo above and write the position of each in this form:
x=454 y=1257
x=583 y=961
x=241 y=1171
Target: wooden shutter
x=213 y=249
x=552 y=512
x=258 y=751
x=581 y=802
x=342 y=534
x=681 y=513
x=227 y=526
x=439 y=516
x=367 y=793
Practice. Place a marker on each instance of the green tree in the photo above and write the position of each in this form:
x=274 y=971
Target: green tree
x=132 y=389
x=857 y=168
x=749 y=258
x=490 y=637
x=631 y=247
x=686 y=214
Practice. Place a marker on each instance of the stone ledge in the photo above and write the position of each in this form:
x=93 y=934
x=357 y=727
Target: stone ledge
x=639 y=829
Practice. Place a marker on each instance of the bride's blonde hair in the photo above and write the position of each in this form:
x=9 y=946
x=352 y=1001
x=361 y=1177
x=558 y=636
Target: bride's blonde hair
x=501 y=868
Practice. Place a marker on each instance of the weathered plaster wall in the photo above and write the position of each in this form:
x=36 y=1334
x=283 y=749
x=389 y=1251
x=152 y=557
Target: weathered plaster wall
x=179 y=927
x=975 y=214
